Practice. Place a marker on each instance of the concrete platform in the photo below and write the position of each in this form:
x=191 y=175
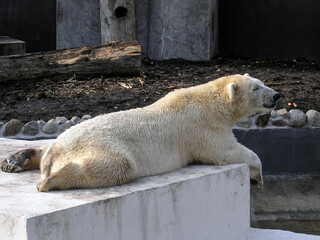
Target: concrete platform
x=198 y=202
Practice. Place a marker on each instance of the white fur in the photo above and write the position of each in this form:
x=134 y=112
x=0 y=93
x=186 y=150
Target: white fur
x=187 y=125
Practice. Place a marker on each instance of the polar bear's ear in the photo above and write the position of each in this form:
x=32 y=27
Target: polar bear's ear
x=246 y=75
x=231 y=90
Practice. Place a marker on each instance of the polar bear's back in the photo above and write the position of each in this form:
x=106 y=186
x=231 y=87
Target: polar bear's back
x=142 y=135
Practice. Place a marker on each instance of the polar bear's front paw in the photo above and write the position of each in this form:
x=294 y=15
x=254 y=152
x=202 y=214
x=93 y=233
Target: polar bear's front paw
x=12 y=166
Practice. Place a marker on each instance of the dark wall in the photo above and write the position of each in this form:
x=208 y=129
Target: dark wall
x=284 y=151
x=270 y=28
x=32 y=21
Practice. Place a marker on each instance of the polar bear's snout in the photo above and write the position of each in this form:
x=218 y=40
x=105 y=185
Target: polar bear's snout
x=276 y=97
x=271 y=99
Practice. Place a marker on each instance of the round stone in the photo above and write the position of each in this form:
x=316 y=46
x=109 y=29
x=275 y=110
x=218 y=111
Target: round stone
x=50 y=127
x=12 y=127
x=41 y=124
x=313 y=117
x=284 y=113
x=86 y=117
x=31 y=128
x=66 y=125
x=75 y=120
x=61 y=120
x=275 y=114
x=279 y=121
x=297 y=118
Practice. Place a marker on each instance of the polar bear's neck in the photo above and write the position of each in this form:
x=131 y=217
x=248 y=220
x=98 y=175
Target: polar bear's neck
x=202 y=103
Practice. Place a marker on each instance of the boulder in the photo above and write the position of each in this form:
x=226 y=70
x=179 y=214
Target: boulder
x=297 y=118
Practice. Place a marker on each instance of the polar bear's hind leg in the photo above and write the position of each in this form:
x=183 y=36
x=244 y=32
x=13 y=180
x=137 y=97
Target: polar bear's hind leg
x=93 y=173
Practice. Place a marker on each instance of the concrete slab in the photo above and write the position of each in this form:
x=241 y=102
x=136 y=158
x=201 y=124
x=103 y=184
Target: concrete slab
x=267 y=234
x=10 y=46
x=197 y=202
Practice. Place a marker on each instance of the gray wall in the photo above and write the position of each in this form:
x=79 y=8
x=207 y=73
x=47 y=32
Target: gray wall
x=31 y=21
x=270 y=28
x=284 y=151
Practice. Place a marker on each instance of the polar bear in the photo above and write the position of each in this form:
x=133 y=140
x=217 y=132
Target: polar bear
x=186 y=126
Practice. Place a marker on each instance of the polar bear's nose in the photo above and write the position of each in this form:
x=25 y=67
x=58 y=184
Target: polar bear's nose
x=276 y=97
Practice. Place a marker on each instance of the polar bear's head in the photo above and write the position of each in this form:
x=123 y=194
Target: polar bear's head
x=251 y=95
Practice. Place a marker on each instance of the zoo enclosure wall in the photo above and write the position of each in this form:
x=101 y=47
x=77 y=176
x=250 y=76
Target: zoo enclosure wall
x=266 y=28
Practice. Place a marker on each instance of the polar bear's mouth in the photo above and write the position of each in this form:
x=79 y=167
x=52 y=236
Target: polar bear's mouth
x=270 y=106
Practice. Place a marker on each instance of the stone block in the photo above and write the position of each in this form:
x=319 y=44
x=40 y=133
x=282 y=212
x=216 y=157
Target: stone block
x=197 y=202
x=10 y=46
x=177 y=29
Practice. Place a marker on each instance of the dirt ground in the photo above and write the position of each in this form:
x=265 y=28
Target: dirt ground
x=298 y=82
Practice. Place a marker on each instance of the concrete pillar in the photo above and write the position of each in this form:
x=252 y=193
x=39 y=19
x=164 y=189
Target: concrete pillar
x=94 y=22
x=185 y=29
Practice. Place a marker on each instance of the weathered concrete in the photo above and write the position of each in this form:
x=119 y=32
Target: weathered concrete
x=94 y=22
x=10 y=46
x=78 y=23
x=284 y=150
x=177 y=29
x=197 y=202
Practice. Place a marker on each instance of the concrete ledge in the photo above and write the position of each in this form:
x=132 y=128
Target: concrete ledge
x=197 y=202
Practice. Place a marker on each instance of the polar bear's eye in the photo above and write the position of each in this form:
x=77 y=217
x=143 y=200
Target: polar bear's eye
x=255 y=88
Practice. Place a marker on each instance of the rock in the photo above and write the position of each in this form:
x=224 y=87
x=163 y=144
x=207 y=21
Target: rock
x=297 y=118
x=31 y=128
x=284 y=113
x=12 y=127
x=41 y=124
x=61 y=120
x=75 y=120
x=262 y=120
x=313 y=118
x=275 y=114
x=277 y=120
x=50 y=127
x=66 y=125
x=86 y=117
x=244 y=122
